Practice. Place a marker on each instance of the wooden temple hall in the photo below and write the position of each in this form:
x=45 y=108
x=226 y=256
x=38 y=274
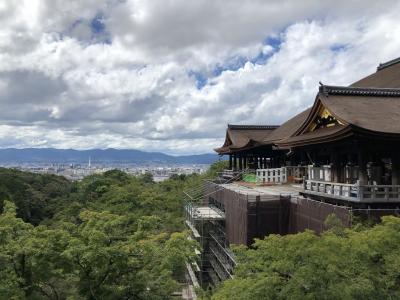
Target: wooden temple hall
x=340 y=156
x=345 y=148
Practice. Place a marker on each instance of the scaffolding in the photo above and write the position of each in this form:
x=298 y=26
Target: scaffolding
x=287 y=212
x=206 y=222
x=215 y=260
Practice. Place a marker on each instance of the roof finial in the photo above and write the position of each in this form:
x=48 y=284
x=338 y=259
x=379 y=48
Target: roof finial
x=322 y=89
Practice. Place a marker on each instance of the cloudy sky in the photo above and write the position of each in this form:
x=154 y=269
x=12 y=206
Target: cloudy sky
x=168 y=75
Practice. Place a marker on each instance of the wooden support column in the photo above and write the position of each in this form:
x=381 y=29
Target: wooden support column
x=245 y=162
x=380 y=172
x=240 y=163
x=395 y=169
x=335 y=167
x=230 y=162
x=347 y=177
x=362 y=168
x=234 y=161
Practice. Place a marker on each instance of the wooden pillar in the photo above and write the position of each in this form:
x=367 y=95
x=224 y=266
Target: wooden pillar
x=362 y=168
x=348 y=174
x=395 y=169
x=335 y=167
x=380 y=172
x=234 y=161
x=245 y=162
x=240 y=163
x=230 y=162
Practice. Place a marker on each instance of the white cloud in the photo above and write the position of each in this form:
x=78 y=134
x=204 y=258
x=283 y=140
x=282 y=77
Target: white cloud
x=130 y=80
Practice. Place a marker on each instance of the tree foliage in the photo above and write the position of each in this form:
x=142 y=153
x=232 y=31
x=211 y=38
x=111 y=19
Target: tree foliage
x=115 y=236
x=37 y=197
x=110 y=236
x=339 y=264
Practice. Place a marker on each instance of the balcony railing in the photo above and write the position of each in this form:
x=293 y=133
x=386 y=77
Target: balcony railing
x=353 y=192
x=281 y=175
x=276 y=175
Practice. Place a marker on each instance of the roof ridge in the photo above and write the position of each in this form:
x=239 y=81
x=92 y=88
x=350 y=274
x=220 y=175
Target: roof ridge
x=388 y=64
x=254 y=127
x=358 y=91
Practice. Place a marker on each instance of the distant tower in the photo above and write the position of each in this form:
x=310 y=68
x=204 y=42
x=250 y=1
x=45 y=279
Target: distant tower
x=90 y=163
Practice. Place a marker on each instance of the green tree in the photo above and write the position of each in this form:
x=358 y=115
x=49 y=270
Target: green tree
x=147 y=177
x=118 y=259
x=32 y=265
x=110 y=236
x=37 y=197
x=216 y=168
x=348 y=264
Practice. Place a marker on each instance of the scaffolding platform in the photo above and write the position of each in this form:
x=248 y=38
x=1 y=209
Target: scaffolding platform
x=205 y=213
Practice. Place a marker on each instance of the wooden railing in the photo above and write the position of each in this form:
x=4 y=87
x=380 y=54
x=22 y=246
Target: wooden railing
x=380 y=193
x=276 y=175
x=353 y=192
x=281 y=175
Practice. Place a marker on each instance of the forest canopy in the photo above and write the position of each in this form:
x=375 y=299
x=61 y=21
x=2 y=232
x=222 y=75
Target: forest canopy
x=115 y=236
x=110 y=236
x=358 y=263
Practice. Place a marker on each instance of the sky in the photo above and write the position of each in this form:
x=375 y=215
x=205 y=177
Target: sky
x=169 y=75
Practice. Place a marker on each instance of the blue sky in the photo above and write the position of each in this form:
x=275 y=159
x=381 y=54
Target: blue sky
x=169 y=75
x=235 y=63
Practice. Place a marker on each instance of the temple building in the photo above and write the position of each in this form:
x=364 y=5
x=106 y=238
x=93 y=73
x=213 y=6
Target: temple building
x=340 y=156
x=245 y=145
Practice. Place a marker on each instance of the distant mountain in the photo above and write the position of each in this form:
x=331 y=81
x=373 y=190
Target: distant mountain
x=50 y=155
